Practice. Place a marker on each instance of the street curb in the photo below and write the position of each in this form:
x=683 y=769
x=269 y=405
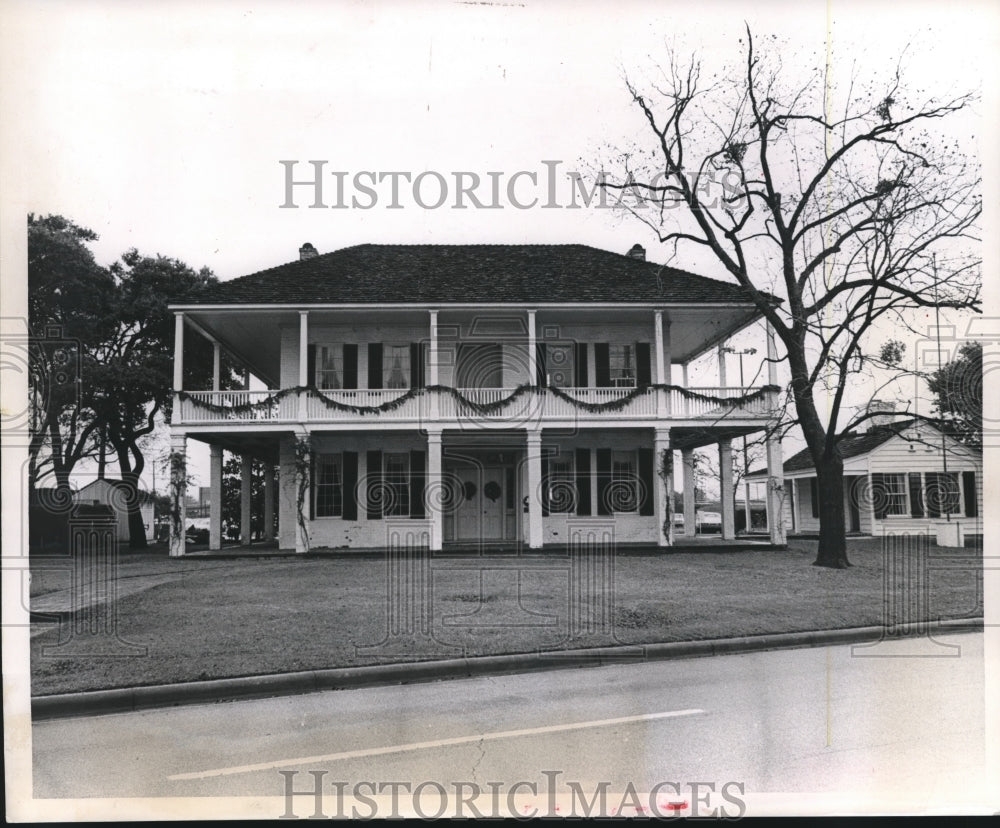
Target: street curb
x=130 y=699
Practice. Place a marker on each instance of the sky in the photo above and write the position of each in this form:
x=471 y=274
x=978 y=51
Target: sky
x=162 y=126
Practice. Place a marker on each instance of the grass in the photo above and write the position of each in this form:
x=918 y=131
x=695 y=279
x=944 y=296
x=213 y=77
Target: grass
x=222 y=618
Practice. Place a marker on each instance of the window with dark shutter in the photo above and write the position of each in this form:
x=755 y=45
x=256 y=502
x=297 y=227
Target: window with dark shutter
x=373 y=473
x=311 y=365
x=545 y=483
x=603 y=481
x=969 y=489
x=583 y=481
x=417 y=352
x=580 y=365
x=350 y=485
x=350 y=365
x=417 y=479
x=374 y=364
x=602 y=364
x=646 y=503
x=643 y=364
x=541 y=378
x=916 y=495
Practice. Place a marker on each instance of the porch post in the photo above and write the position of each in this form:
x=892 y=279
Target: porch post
x=775 y=469
x=216 y=367
x=687 y=459
x=215 y=498
x=435 y=410
x=178 y=491
x=663 y=488
x=303 y=361
x=535 y=533
x=684 y=384
x=435 y=489
x=722 y=368
x=661 y=331
x=269 y=491
x=178 y=364
x=303 y=483
x=245 y=468
x=726 y=490
x=532 y=352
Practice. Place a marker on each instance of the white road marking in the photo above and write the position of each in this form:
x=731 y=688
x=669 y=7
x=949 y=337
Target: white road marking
x=458 y=740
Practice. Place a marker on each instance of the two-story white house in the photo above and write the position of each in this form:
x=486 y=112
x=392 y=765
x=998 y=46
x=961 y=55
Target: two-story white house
x=511 y=395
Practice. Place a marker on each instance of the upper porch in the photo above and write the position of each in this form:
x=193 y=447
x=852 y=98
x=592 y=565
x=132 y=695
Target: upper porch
x=467 y=367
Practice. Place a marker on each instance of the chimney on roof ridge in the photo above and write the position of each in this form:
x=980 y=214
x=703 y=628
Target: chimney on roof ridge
x=307 y=251
x=637 y=252
x=884 y=410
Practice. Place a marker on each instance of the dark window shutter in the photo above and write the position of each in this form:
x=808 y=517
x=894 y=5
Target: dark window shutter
x=646 y=481
x=415 y=365
x=422 y=364
x=541 y=370
x=311 y=365
x=374 y=476
x=350 y=366
x=814 y=495
x=602 y=364
x=350 y=484
x=934 y=498
x=643 y=365
x=545 y=483
x=374 y=364
x=879 y=496
x=312 y=484
x=603 y=481
x=511 y=491
x=969 y=485
x=417 y=480
x=580 y=364
x=916 y=495
x=583 y=481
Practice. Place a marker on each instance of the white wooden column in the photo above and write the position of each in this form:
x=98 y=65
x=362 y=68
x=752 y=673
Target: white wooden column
x=216 y=369
x=178 y=492
x=433 y=378
x=532 y=350
x=536 y=536
x=775 y=470
x=663 y=489
x=684 y=384
x=726 y=490
x=302 y=532
x=687 y=460
x=661 y=332
x=215 y=498
x=434 y=488
x=245 y=480
x=304 y=378
x=722 y=368
x=269 y=496
x=178 y=364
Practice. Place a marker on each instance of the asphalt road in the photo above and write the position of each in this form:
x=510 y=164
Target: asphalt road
x=857 y=732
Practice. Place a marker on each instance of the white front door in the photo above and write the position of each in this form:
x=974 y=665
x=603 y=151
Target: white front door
x=480 y=515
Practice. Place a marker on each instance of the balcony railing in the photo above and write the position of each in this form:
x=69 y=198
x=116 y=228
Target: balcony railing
x=511 y=405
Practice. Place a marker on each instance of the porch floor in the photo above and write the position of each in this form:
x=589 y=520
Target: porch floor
x=700 y=543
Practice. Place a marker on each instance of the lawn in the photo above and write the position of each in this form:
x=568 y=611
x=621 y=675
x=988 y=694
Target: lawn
x=202 y=619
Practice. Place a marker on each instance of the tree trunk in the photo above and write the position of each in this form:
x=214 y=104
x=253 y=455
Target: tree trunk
x=832 y=526
x=130 y=477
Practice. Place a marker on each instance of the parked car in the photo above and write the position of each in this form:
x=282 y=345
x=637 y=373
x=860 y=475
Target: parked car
x=708 y=522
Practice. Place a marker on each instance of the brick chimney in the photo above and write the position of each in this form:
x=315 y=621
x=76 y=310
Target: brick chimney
x=307 y=251
x=637 y=252
x=883 y=409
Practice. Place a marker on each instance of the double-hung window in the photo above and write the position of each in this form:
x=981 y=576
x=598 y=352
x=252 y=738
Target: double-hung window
x=396 y=479
x=561 y=486
x=330 y=366
x=624 y=482
x=622 y=363
x=329 y=486
x=889 y=495
x=396 y=366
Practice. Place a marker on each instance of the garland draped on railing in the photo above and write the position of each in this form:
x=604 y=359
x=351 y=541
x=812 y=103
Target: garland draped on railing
x=493 y=407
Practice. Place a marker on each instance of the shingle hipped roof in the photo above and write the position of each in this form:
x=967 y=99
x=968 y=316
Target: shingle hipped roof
x=470 y=273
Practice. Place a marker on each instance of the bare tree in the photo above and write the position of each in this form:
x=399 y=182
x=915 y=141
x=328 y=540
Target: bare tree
x=827 y=202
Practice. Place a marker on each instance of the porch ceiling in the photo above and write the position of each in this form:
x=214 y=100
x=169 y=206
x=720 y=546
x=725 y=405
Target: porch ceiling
x=262 y=447
x=253 y=335
x=692 y=438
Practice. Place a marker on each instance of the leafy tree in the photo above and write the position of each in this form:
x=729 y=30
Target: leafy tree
x=835 y=205
x=231 y=497
x=958 y=391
